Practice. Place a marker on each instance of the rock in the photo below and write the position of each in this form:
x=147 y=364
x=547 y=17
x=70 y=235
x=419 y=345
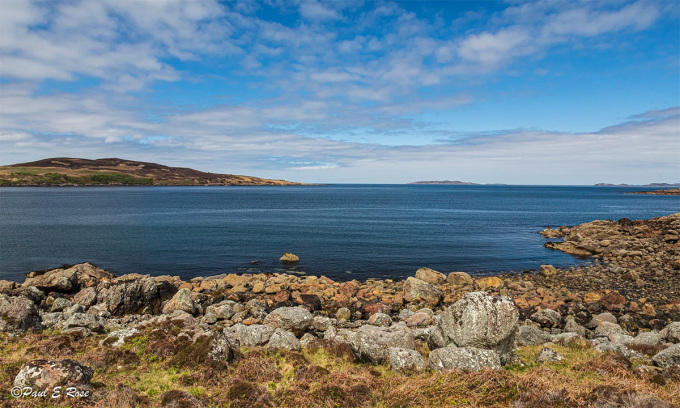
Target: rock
x=547 y=270
x=547 y=318
x=671 y=333
x=18 y=314
x=419 y=319
x=651 y=338
x=404 y=314
x=405 y=359
x=86 y=297
x=532 y=336
x=667 y=357
x=282 y=339
x=289 y=258
x=370 y=343
x=60 y=304
x=489 y=282
x=416 y=290
x=573 y=327
x=131 y=294
x=307 y=339
x=117 y=338
x=254 y=335
x=548 y=355
x=606 y=329
x=181 y=301
x=321 y=323
x=41 y=374
x=430 y=276
x=459 y=279
x=463 y=358
x=380 y=319
x=294 y=319
x=343 y=314
x=482 y=321
x=222 y=346
x=53 y=319
x=86 y=321
x=222 y=311
x=619 y=349
x=56 y=280
x=602 y=317
x=7 y=287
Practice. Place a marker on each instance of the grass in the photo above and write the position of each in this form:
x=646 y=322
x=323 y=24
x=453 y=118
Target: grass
x=326 y=375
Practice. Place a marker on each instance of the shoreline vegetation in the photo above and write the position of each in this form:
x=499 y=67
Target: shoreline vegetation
x=118 y=172
x=603 y=334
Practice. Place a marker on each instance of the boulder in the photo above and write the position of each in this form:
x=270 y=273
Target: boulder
x=132 y=294
x=370 y=343
x=482 y=321
x=606 y=329
x=7 y=287
x=405 y=359
x=602 y=317
x=459 y=279
x=60 y=304
x=282 y=339
x=416 y=290
x=529 y=335
x=380 y=319
x=68 y=279
x=463 y=358
x=548 y=355
x=86 y=321
x=430 y=276
x=287 y=257
x=41 y=374
x=294 y=319
x=86 y=297
x=671 y=333
x=489 y=282
x=18 y=314
x=419 y=319
x=117 y=338
x=651 y=338
x=667 y=357
x=343 y=314
x=183 y=301
x=222 y=311
x=253 y=335
x=571 y=326
x=547 y=270
x=547 y=318
x=222 y=346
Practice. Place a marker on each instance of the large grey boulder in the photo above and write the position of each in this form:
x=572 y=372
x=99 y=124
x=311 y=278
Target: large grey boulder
x=651 y=338
x=571 y=326
x=668 y=357
x=607 y=329
x=416 y=290
x=131 y=294
x=671 y=333
x=405 y=359
x=482 y=321
x=370 y=343
x=464 y=358
x=253 y=335
x=532 y=336
x=294 y=319
x=41 y=374
x=181 y=301
x=282 y=339
x=547 y=318
x=222 y=346
x=602 y=317
x=222 y=311
x=86 y=321
x=18 y=314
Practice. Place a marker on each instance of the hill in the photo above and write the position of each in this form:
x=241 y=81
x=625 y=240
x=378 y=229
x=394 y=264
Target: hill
x=63 y=171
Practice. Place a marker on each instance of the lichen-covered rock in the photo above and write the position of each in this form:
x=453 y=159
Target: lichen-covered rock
x=482 y=321
x=416 y=290
x=651 y=338
x=671 y=333
x=117 y=338
x=370 y=343
x=547 y=270
x=667 y=357
x=459 y=279
x=532 y=336
x=222 y=347
x=131 y=294
x=60 y=304
x=86 y=297
x=548 y=355
x=405 y=359
x=69 y=279
x=380 y=319
x=85 y=321
x=222 y=311
x=41 y=374
x=343 y=314
x=602 y=317
x=547 y=318
x=571 y=326
x=18 y=314
x=253 y=335
x=282 y=339
x=464 y=358
x=294 y=319
x=183 y=301
x=289 y=258
x=606 y=329
x=420 y=319
x=430 y=276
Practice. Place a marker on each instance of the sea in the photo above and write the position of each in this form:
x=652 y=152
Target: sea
x=341 y=231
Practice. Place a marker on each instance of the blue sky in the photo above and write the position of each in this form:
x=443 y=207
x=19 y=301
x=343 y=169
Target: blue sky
x=520 y=92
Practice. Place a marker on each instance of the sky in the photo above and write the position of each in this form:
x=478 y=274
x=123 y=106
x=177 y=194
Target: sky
x=349 y=91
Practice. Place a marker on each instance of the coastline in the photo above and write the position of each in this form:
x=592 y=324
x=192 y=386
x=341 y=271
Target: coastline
x=624 y=306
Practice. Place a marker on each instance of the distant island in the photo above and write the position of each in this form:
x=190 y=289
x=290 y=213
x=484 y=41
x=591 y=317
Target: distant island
x=638 y=185
x=457 y=183
x=65 y=171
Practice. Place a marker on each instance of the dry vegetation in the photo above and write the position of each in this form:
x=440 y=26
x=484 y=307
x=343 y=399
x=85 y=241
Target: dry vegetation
x=148 y=372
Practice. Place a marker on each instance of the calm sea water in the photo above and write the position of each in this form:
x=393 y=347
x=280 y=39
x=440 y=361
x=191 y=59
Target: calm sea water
x=341 y=231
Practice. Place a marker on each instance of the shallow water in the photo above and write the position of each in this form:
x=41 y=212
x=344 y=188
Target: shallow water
x=341 y=231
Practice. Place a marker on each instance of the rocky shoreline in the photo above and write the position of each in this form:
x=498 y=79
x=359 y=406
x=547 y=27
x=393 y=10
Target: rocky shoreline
x=625 y=302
